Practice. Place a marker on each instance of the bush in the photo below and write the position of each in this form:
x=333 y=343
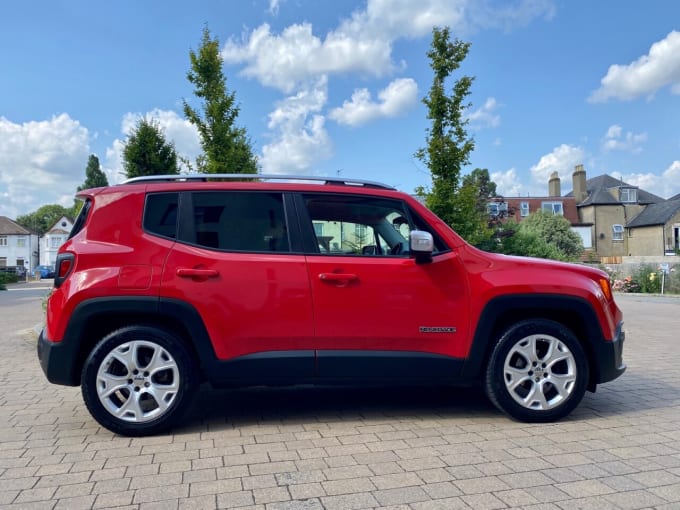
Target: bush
x=6 y=278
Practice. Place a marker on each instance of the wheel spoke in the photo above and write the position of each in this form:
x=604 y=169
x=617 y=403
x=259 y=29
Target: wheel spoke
x=111 y=384
x=563 y=384
x=536 y=396
x=517 y=377
x=130 y=406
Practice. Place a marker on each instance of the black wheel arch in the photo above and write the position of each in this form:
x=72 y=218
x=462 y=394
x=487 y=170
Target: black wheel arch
x=95 y=318
x=501 y=312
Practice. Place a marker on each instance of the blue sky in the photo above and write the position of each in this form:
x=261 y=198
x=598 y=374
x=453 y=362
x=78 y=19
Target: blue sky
x=330 y=88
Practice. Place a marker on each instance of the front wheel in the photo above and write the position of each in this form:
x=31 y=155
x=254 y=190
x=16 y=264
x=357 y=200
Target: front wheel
x=538 y=371
x=138 y=380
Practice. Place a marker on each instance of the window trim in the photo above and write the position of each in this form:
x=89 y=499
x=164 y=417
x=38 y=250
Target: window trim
x=617 y=233
x=553 y=203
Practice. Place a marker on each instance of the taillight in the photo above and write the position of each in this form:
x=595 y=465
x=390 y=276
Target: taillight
x=63 y=267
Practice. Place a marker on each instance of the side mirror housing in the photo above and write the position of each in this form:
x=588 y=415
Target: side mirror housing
x=421 y=246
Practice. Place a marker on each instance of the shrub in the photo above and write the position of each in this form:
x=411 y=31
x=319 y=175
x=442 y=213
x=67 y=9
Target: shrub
x=6 y=278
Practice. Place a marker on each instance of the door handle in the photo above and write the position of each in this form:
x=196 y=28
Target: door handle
x=338 y=277
x=186 y=272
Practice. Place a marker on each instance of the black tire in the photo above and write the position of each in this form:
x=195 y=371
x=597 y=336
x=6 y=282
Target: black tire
x=129 y=400
x=538 y=371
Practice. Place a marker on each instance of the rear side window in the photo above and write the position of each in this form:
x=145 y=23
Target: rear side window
x=160 y=214
x=240 y=221
x=82 y=217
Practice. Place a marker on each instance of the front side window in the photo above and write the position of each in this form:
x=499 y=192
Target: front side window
x=359 y=225
x=553 y=208
x=240 y=221
x=617 y=232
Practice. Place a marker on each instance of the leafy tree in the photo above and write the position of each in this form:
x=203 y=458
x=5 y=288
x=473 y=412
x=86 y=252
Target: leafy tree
x=41 y=220
x=226 y=148
x=94 y=176
x=540 y=234
x=448 y=145
x=147 y=152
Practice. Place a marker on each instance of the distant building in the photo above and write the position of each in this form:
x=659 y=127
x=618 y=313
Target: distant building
x=53 y=239
x=18 y=246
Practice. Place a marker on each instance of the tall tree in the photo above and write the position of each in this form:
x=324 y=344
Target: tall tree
x=448 y=145
x=41 y=220
x=147 y=152
x=94 y=176
x=226 y=148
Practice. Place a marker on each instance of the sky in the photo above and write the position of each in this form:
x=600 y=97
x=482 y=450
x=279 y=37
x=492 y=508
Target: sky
x=332 y=88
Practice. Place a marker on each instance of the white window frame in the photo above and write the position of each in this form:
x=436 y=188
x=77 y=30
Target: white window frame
x=3 y=240
x=617 y=232
x=524 y=209
x=21 y=242
x=628 y=195
x=553 y=207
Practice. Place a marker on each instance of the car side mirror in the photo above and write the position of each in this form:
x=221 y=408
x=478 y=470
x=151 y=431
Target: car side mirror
x=421 y=246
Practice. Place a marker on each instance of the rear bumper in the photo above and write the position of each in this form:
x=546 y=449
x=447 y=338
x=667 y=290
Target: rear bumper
x=57 y=360
x=609 y=357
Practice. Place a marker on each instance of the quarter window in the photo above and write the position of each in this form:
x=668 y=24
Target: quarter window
x=160 y=214
x=239 y=221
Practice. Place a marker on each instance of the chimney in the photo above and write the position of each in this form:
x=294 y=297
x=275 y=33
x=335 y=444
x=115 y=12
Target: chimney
x=579 y=177
x=554 y=185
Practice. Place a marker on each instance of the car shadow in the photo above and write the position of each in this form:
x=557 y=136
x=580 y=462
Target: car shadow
x=217 y=409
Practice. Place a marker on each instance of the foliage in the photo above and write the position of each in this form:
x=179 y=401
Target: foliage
x=513 y=240
x=44 y=218
x=226 y=148
x=448 y=145
x=6 y=278
x=646 y=278
x=94 y=176
x=147 y=152
x=556 y=231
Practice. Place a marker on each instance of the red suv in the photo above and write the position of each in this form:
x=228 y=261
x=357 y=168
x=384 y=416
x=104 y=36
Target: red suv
x=169 y=281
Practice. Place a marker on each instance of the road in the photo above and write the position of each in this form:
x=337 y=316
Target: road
x=348 y=448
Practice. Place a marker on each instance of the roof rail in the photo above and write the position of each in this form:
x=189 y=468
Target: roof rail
x=207 y=177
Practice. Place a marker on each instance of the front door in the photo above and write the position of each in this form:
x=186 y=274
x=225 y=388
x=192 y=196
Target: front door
x=378 y=314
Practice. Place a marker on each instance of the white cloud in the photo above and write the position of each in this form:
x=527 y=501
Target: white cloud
x=665 y=185
x=41 y=162
x=507 y=184
x=363 y=42
x=176 y=129
x=274 y=6
x=659 y=68
x=617 y=140
x=485 y=116
x=395 y=99
x=562 y=160
x=300 y=138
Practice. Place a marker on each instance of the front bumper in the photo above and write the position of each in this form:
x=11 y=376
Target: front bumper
x=58 y=361
x=609 y=358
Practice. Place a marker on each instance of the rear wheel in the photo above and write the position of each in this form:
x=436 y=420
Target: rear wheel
x=138 y=381
x=538 y=371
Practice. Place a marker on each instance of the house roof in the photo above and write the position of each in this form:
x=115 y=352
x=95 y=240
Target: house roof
x=598 y=192
x=675 y=197
x=10 y=227
x=656 y=214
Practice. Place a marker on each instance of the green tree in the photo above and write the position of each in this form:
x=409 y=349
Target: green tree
x=147 y=152
x=41 y=220
x=94 y=176
x=448 y=145
x=226 y=148
x=556 y=231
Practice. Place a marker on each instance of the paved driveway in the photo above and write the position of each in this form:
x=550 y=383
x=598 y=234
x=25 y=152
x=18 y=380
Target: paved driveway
x=342 y=449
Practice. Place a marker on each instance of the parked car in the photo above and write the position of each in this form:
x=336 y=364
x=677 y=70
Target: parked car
x=168 y=281
x=43 y=271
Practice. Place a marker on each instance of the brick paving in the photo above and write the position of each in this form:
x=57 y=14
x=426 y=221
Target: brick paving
x=314 y=449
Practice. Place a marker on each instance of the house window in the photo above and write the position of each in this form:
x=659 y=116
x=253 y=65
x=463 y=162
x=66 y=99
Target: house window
x=55 y=242
x=617 y=232
x=497 y=208
x=21 y=242
x=553 y=207
x=3 y=240
x=524 y=209
x=628 y=195
x=3 y=261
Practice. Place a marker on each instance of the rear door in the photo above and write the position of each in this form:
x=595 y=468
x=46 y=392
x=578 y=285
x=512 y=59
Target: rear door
x=235 y=261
